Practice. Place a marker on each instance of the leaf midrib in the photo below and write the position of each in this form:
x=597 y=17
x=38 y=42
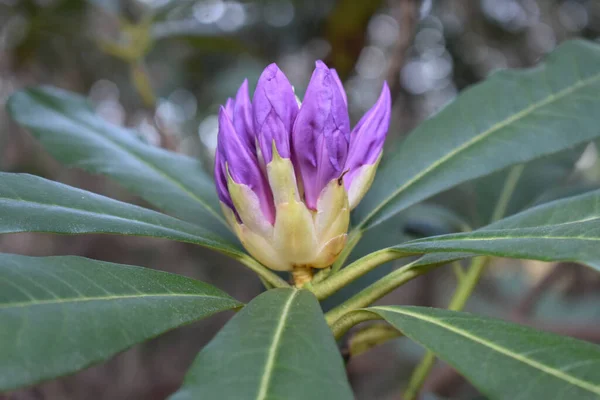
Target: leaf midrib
x=137 y=157
x=502 y=350
x=550 y=225
x=105 y=298
x=476 y=139
x=124 y=219
x=273 y=349
x=493 y=238
x=193 y=238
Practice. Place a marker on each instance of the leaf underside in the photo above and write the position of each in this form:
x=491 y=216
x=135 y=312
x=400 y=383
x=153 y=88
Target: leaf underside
x=67 y=127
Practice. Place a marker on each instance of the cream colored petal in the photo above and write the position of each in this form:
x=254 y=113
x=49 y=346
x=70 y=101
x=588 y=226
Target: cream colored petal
x=329 y=252
x=248 y=208
x=333 y=213
x=260 y=248
x=229 y=215
x=294 y=235
x=337 y=227
x=361 y=183
x=282 y=179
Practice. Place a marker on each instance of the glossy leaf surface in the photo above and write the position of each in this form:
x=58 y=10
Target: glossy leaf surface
x=32 y=204
x=61 y=314
x=277 y=347
x=504 y=360
x=562 y=230
x=511 y=118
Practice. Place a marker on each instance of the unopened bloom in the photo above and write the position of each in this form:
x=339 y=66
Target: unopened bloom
x=288 y=174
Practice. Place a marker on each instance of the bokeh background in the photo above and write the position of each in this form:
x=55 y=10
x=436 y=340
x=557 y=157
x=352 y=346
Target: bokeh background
x=163 y=67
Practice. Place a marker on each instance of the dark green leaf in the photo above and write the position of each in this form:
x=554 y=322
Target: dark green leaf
x=567 y=191
x=277 y=347
x=563 y=230
x=61 y=314
x=68 y=128
x=504 y=360
x=476 y=200
x=32 y=204
x=511 y=118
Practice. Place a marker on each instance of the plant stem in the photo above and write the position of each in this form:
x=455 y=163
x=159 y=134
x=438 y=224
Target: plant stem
x=354 y=271
x=508 y=189
x=370 y=337
x=261 y=270
x=376 y=291
x=459 y=272
x=302 y=275
x=265 y=283
x=142 y=84
x=350 y=319
x=419 y=375
x=321 y=275
x=470 y=280
x=467 y=283
x=353 y=239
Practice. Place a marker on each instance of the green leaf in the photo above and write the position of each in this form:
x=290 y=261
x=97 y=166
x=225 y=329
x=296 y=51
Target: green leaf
x=61 y=314
x=511 y=118
x=277 y=347
x=562 y=230
x=476 y=200
x=67 y=127
x=32 y=204
x=504 y=360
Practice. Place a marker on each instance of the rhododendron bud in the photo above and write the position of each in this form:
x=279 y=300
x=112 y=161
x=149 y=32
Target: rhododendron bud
x=287 y=174
x=321 y=134
x=275 y=109
x=366 y=147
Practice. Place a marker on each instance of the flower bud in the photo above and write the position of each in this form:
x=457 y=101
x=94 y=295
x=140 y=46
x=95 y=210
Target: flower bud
x=366 y=147
x=275 y=110
x=321 y=134
x=242 y=117
x=288 y=176
x=247 y=186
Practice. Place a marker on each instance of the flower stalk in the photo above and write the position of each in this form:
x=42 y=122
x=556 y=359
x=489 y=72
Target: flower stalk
x=301 y=275
x=377 y=290
x=354 y=271
x=371 y=336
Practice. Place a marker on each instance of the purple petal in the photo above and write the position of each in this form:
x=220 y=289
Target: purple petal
x=229 y=107
x=338 y=82
x=221 y=180
x=275 y=110
x=367 y=137
x=321 y=134
x=242 y=116
x=243 y=165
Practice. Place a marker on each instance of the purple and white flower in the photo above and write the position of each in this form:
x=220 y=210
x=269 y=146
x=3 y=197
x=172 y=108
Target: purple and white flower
x=288 y=174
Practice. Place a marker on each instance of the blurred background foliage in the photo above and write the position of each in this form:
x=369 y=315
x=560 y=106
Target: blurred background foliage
x=163 y=67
